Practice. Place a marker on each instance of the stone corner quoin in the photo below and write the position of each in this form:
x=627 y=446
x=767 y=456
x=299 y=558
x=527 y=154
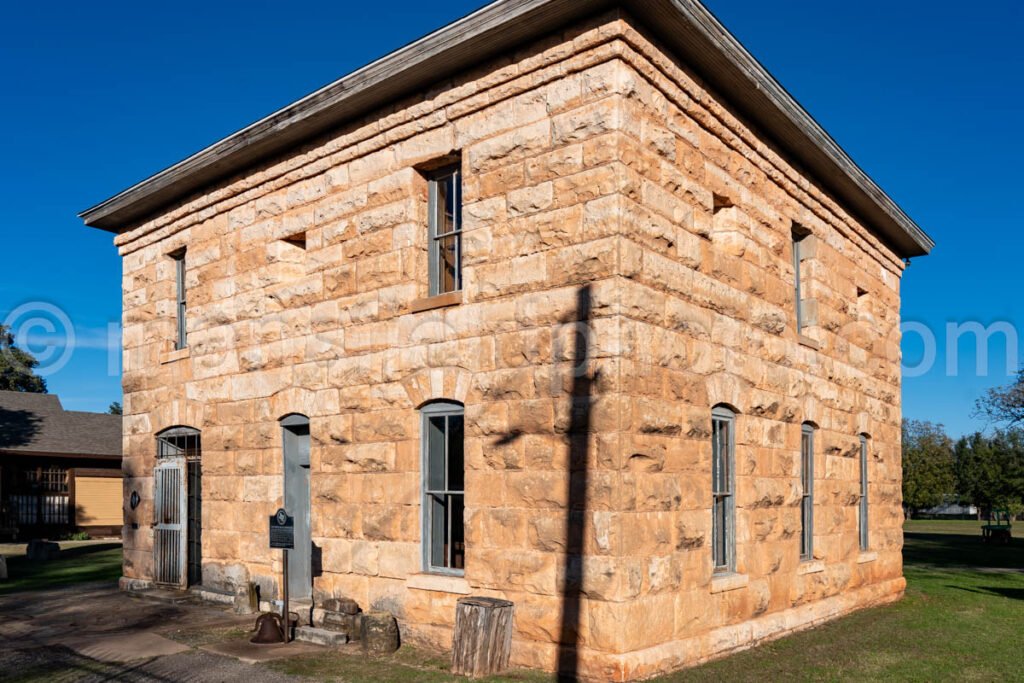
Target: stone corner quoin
x=627 y=265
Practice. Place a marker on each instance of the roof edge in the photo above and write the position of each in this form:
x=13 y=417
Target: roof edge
x=685 y=26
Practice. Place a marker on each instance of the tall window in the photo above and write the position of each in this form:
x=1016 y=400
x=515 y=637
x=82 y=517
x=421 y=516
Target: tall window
x=807 y=493
x=445 y=230
x=800 y=235
x=180 y=339
x=862 y=518
x=723 y=458
x=444 y=545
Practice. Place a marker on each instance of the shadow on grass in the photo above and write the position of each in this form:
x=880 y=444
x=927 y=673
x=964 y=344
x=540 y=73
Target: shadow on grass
x=999 y=591
x=960 y=550
x=82 y=564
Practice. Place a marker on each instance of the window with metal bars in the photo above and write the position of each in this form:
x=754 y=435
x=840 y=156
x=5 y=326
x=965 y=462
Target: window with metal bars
x=47 y=479
x=444 y=546
x=181 y=335
x=862 y=518
x=807 y=492
x=445 y=230
x=723 y=459
x=179 y=441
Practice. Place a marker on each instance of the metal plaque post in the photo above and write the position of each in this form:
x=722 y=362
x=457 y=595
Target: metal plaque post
x=282 y=535
x=286 y=618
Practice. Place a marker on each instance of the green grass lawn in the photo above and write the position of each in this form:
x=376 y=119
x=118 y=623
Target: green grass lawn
x=78 y=563
x=962 y=620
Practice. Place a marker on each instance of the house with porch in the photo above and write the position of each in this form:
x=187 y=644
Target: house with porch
x=60 y=470
x=568 y=303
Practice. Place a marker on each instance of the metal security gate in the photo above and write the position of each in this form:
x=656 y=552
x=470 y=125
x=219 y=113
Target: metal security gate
x=169 y=538
x=297 y=503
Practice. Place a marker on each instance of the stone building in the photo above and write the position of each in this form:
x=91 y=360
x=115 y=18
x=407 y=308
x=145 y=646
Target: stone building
x=568 y=302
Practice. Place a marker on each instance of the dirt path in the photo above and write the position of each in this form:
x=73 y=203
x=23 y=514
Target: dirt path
x=95 y=633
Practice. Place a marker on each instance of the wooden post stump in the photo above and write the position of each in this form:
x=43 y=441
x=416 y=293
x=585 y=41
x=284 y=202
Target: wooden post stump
x=482 y=641
x=379 y=633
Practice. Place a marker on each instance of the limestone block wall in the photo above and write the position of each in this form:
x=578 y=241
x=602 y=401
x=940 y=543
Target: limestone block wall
x=708 y=318
x=607 y=307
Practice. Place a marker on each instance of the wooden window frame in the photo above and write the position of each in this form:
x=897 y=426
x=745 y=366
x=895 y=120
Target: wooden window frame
x=807 y=492
x=723 y=489
x=435 y=179
x=799 y=236
x=447 y=494
x=862 y=517
x=180 y=300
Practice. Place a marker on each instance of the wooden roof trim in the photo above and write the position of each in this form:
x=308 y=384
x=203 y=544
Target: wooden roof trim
x=685 y=26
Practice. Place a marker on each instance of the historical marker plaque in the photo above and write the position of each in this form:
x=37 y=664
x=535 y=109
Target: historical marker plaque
x=282 y=530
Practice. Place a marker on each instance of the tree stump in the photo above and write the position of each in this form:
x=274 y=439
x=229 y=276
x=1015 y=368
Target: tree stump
x=482 y=641
x=379 y=633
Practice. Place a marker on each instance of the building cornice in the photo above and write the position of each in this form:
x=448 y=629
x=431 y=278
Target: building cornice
x=686 y=28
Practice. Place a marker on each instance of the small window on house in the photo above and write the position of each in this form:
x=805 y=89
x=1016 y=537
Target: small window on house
x=807 y=492
x=445 y=230
x=800 y=235
x=862 y=517
x=723 y=458
x=864 y=310
x=297 y=240
x=444 y=545
x=180 y=336
x=720 y=202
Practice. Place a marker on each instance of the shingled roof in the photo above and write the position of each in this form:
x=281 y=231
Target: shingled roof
x=37 y=424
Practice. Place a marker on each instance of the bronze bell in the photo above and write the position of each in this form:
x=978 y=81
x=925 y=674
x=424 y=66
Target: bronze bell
x=269 y=629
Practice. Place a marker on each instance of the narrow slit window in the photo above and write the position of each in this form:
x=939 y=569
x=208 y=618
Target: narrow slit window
x=181 y=334
x=862 y=518
x=800 y=235
x=723 y=447
x=807 y=493
x=444 y=546
x=445 y=193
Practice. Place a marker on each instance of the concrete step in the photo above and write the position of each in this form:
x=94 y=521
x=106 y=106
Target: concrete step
x=320 y=636
x=212 y=595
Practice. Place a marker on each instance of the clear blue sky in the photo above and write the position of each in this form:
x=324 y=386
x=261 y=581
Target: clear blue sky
x=926 y=97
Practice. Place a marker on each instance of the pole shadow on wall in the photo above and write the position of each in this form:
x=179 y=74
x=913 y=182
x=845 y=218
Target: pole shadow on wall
x=578 y=436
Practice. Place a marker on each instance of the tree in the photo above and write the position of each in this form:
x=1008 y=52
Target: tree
x=990 y=470
x=1003 y=405
x=17 y=367
x=928 y=477
x=115 y=408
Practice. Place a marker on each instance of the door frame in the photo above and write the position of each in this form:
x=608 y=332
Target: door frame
x=296 y=426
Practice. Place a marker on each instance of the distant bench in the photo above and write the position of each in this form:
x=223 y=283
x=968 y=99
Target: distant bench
x=998 y=528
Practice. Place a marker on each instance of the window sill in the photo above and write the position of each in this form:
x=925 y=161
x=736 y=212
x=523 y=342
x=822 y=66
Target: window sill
x=804 y=340
x=439 y=301
x=810 y=567
x=439 y=583
x=175 y=355
x=867 y=556
x=722 y=583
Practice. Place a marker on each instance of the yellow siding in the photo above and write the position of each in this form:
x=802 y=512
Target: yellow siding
x=98 y=501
